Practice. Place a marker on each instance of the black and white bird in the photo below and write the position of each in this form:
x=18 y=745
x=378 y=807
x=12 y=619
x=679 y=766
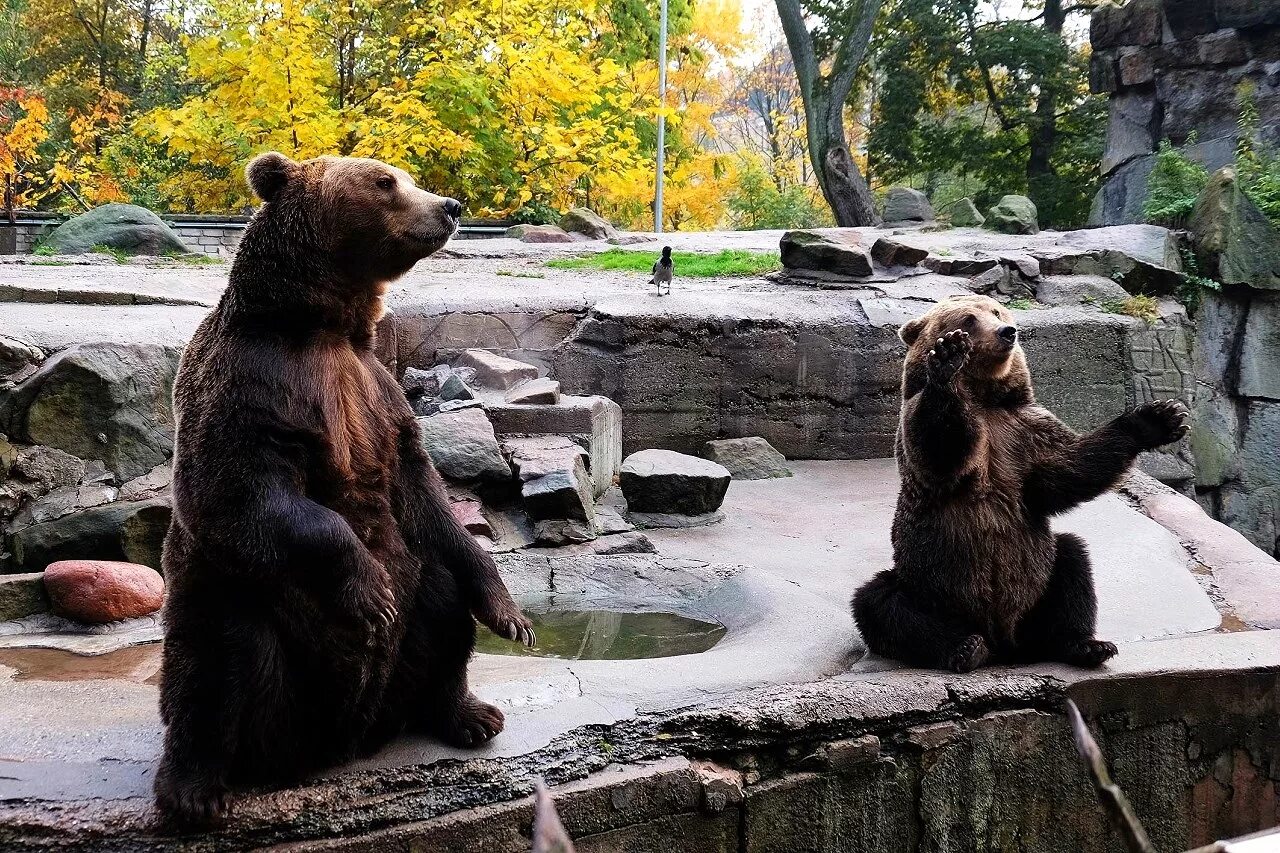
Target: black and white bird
x=663 y=270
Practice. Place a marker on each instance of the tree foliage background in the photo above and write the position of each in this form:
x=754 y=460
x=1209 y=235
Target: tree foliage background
x=527 y=107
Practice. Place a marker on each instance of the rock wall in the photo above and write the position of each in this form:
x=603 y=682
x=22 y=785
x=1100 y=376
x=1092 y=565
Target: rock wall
x=1174 y=68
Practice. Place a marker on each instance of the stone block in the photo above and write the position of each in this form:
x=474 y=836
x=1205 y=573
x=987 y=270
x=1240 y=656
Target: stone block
x=1247 y=13
x=496 y=371
x=132 y=531
x=463 y=446
x=1215 y=430
x=1259 y=366
x=1189 y=18
x=22 y=595
x=1224 y=47
x=904 y=204
x=1137 y=66
x=892 y=253
x=751 y=458
x=1129 y=129
x=593 y=421
x=825 y=251
x=1104 y=75
x=1139 y=22
x=662 y=481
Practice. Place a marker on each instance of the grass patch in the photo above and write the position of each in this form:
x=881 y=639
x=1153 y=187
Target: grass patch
x=730 y=262
x=195 y=259
x=43 y=249
x=1145 y=308
x=515 y=274
x=1022 y=304
x=121 y=256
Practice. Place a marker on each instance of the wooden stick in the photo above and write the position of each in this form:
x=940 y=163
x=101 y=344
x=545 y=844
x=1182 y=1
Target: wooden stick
x=548 y=832
x=1113 y=800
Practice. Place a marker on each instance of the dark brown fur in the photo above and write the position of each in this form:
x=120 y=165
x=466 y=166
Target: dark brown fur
x=978 y=573
x=320 y=591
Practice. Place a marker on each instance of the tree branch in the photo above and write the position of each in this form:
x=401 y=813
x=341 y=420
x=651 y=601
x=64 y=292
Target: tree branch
x=1113 y=800
x=801 y=44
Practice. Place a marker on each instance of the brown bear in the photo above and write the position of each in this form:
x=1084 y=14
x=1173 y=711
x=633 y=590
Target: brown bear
x=321 y=593
x=978 y=575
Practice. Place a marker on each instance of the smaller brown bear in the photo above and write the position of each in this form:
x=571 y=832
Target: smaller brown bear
x=978 y=574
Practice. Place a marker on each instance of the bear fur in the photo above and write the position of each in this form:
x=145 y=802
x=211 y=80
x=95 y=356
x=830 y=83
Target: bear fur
x=978 y=575
x=321 y=592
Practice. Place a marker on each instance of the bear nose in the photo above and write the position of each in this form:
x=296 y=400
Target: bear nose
x=1008 y=333
x=453 y=207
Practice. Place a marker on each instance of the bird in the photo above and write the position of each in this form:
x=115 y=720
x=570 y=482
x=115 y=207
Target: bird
x=663 y=271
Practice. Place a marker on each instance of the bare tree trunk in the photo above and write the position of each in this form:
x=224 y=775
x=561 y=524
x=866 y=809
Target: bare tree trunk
x=824 y=95
x=1044 y=128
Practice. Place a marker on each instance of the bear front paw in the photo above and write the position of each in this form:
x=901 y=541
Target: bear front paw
x=1157 y=424
x=949 y=355
x=369 y=599
x=505 y=619
x=969 y=655
x=189 y=797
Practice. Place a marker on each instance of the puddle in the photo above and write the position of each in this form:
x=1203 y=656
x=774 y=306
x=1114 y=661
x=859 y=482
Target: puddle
x=140 y=664
x=608 y=635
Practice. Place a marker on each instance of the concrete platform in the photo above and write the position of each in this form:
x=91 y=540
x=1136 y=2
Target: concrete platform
x=77 y=756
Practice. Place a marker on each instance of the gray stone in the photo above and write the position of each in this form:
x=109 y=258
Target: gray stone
x=594 y=422
x=1247 y=13
x=453 y=388
x=102 y=401
x=629 y=542
x=1228 y=226
x=663 y=481
x=132 y=531
x=1220 y=325
x=747 y=458
x=125 y=227
x=535 y=391
x=581 y=220
x=539 y=234
x=562 y=531
x=1145 y=258
x=1104 y=76
x=554 y=479
x=965 y=214
x=891 y=253
x=18 y=359
x=673 y=520
x=1137 y=66
x=149 y=484
x=463 y=446
x=1222 y=48
x=904 y=204
x=455 y=405
x=1260 y=350
x=420 y=383
x=1215 y=429
x=1197 y=100
x=22 y=595
x=1130 y=129
x=1077 y=290
x=830 y=251
x=63 y=501
x=1014 y=214
x=1136 y=23
x=47 y=467
x=496 y=371
x=1189 y=18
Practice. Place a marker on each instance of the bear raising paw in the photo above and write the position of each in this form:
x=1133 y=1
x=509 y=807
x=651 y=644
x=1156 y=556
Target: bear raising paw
x=978 y=576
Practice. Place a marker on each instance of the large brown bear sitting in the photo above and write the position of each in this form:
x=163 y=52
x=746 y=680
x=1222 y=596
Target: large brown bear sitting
x=978 y=574
x=320 y=591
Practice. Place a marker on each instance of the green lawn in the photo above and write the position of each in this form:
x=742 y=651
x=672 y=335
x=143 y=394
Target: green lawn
x=730 y=262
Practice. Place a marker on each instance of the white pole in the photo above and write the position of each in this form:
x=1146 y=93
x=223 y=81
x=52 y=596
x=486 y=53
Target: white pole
x=662 y=118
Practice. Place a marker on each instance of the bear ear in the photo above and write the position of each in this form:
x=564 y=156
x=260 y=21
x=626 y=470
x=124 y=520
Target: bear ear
x=268 y=173
x=912 y=330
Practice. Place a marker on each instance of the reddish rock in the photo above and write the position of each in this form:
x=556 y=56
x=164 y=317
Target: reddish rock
x=102 y=590
x=469 y=513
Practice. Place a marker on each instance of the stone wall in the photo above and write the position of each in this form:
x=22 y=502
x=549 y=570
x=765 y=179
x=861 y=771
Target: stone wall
x=216 y=236
x=1174 y=68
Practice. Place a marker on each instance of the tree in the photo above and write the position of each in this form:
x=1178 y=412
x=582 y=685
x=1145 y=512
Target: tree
x=827 y=62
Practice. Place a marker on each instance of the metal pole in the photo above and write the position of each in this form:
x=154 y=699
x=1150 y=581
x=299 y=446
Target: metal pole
x=662 y=118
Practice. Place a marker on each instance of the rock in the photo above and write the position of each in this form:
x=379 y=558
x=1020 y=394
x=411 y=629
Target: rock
x=903 y=204
x=18 y=359
x=47 y=467
x=554 y=480
x=455 y=405
x=1259 y=370
x=97 y=591
x=420 y=383
x=102 y=401
x=964 y=214
x=1077 y=290
x=470 y=514
x=495 y=371
x=663 y=481
x=1137 y=67
x=149 y=484
x=960 y=265
x=580 y=220
x=453 y=388
x=1228 y=227
x=1222 y=48
x=1215 y=428
x=1022 y=264
x=562 y=531
x=463 y=446
x=1014 y=214
x=546 y=391
x=891 y=253
x=1189 y=18
x=22 y=595
x=1129 y=129
x=63 y=501
x=539 y=234
x=1247 y=13
x=674 y=520
x=592 y=422
x=125 y=227
x=1139 y=22
x=825 y=251
x=747 y=458
x=631 y=542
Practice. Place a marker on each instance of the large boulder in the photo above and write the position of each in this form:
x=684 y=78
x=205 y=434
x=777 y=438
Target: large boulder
x=125 y=227
x=539 y=234
x=747 y=458
x=123 y=530
x=98 y=591
x=830 y=252
x=554 y=482
x=463 y=446
x=101 y=401
x=18 y=359
x=964 y=214
x=1229 y=228
x=663 y=481
x=1078 y=290
x=903 y=204
x=581 y=220
x=496 y=371
x=1014 y=214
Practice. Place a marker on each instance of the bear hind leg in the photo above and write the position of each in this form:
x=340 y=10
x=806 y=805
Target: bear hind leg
x=894 y=625
x=1061 y=625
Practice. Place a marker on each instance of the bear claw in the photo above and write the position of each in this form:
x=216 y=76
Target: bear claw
x=969 y=655
x=473 y=723
x=1156 y=424
x=1090 y=654
x=949 y=355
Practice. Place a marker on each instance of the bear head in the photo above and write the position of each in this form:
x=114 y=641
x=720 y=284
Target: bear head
x=996 y=367
x=369 y=219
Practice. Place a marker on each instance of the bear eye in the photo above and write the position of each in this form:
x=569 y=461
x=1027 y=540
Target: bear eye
x=969 y=320
x=386 y=182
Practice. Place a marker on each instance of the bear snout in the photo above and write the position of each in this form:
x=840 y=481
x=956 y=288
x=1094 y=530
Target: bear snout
x=1008 y=334
x=453 y=208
